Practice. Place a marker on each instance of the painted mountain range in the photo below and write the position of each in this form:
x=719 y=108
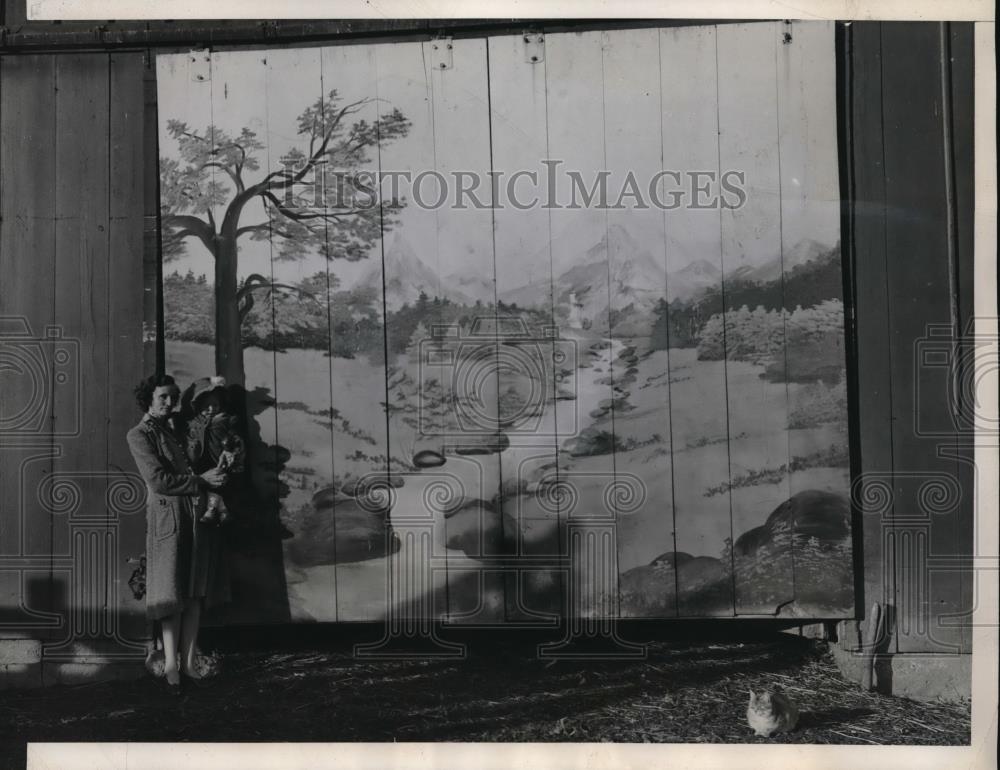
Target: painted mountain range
x=617 y=262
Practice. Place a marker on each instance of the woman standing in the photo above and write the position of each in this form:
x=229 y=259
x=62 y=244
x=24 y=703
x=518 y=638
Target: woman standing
x=183 y=557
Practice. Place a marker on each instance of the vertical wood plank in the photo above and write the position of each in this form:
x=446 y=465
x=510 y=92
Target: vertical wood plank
x=751 y=249
x=916 y=239
x=360 y=441
x=10 y=587
x=637 y=243
x=475 y=532
x=962 y=46
x=15 y=14
x=188 y=348
x=81 y=311
x=872 y=314
x=415 y=409
x=253 y=90
x=812 y=297
x=962 y=75
x=152 y=269
x=241 y=108
x=702 y=566
x=27 y=266
x=531 y=383
x=188 y=87
x=125 y=339
x=580 y=264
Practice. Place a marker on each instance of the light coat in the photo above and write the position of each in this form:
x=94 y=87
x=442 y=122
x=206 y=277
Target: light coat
x=183 y=556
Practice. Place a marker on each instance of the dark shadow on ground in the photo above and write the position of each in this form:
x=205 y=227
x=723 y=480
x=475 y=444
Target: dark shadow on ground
x=832 y=717
x=312 y=688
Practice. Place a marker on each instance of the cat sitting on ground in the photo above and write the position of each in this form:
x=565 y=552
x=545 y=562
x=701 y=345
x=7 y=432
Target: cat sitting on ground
x=771 y=712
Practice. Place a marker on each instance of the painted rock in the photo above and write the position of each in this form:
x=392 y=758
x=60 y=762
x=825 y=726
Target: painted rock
x=701 y=571
x=647 y=591
x=428 y=458
x=811 y=514
x=478 y=529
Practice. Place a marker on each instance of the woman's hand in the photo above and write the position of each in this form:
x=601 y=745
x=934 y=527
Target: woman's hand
x=214 y=478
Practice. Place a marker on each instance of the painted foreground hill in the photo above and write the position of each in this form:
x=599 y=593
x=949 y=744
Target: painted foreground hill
x=797 y=563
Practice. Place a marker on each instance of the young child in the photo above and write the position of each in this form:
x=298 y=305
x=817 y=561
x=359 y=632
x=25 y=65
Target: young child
x=214 y=441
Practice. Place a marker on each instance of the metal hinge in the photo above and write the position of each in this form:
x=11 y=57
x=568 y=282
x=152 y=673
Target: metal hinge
x=441 y=53
x=534 y=47
x=200 y=65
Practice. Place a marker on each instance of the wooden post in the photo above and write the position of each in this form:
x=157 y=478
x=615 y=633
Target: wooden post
x=871 y=639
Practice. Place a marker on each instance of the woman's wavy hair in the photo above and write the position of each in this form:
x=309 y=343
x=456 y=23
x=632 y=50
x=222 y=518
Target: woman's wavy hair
x=144 y=390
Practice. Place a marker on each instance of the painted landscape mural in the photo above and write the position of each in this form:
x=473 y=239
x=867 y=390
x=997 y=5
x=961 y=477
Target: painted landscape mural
x=628 y=336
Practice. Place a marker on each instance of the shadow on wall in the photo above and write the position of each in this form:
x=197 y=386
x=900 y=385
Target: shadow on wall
x=254 y=537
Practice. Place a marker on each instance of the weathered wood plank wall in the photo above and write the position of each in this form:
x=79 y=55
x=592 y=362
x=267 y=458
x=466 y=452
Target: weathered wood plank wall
x=928 y=269
x=690 y=129
x=27 y=258
x=71 y=256
x=357 y=302
x=130 y=201
x=867 y=189
x=911 y=205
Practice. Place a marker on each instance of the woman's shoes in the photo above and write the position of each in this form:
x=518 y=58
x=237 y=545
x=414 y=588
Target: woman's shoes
x=202 y=667
x=173 y=682
x=194 y=675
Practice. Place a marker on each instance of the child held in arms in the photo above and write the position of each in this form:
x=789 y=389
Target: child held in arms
x=213 y=441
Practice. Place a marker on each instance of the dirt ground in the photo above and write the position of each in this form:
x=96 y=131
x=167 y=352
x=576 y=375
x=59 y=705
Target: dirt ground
x=690 y=689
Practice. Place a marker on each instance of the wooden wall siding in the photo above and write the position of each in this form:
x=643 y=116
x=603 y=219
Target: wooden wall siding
x=577 y=123
x=913 y=217
x=871 y=309
x=419 y=582
x=519 y=141
x=28 y=261
x=17 y=34
x=71 y=260
x=126 y=309
x=698 y=408
x=962 y=77
x=474 y=529
x=633 y=107
x=692 y=458
x=809 y=183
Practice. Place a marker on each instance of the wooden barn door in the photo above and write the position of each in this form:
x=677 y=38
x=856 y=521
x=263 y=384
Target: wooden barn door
x=71 y=351
x=526 y=326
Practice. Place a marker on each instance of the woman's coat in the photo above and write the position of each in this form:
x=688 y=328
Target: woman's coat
x=183 y=556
